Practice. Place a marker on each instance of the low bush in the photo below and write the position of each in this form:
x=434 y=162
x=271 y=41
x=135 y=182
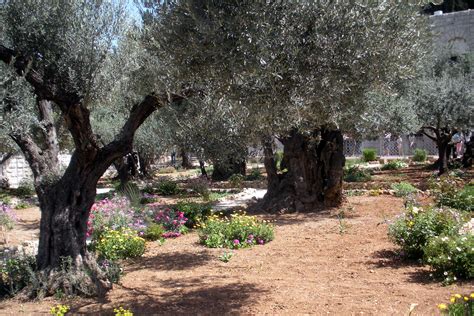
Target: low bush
x=413 y=229
x=459 y=305
x=236 y=180
x=254 y=175
x=166 y=170
x=403 y=189
x=59 y=310
x=201 y=187
x=15 y=274
x=8 y=217
x=167 y=187
x=238 y=231
x=194 y=212
x=112 y=270
x=394 y=165
x=120 y=244
x=25 y=188
x=369 y=154
x=173 y=221
x=449 y=191
x=420 y=155
x=451 y=256
x=154 y=232
x=356 y=174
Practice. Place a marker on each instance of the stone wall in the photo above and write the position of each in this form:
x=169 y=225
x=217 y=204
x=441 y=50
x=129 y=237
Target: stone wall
x=454 y=31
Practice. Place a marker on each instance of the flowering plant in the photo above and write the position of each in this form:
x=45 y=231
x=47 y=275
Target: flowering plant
x=459 y=305
x=8 y=217
x=238 y=231
x=173 y=221
x=120 y=244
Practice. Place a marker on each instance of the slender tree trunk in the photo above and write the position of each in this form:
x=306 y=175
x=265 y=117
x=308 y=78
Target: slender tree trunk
x=314 y=172
x=269 y=162
x=145 y=164
x=443 y=145
x=202 y=166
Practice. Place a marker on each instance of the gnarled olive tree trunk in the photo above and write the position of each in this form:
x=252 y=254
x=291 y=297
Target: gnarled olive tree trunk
x=314 y=171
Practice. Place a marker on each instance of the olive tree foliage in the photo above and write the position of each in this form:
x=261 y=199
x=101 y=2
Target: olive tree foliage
x=302 y=70
x=292 y=64
x=443 y=99
x=65 y=61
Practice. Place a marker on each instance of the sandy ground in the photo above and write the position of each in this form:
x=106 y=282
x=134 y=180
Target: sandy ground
x=310 y=268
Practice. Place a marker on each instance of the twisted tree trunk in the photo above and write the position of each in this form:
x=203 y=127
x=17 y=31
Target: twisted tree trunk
x=313 y=178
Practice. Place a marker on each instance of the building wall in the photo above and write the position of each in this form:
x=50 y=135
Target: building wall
x=454 y=31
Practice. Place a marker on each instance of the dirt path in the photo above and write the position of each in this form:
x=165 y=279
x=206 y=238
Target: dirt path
x=310 y=268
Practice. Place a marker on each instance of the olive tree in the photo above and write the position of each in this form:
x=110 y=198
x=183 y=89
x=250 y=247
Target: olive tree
x=443 y=100
x=302 y=69
x=58 y=64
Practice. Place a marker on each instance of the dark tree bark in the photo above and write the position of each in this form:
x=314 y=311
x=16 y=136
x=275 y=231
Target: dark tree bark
x=123 y=174
x=314 y=172
x=186 y=162
x=145 y=164
x=273 y=179
x=202 y=166
x=468 y=156
x=224 y=169
x=442 y=137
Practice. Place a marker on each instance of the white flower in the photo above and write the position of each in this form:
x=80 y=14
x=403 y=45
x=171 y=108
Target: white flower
x=445 y=273
x=454 y=278
x=445 y=239
x=458 y=249
x=449 y=258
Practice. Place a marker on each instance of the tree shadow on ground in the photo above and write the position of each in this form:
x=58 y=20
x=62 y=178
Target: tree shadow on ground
x=192 y=298
x=171 y=261
x=416 y=271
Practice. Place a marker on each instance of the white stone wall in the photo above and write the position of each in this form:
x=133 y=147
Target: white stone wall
x=454 y=31
x=16 y=169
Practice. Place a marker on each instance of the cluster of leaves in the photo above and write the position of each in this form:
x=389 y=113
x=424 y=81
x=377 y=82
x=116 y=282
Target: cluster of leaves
x=459 y=305
x=394 y=165
x=194 y=212
x=420 y=155
x=8 y=217
x=173 y=221
x=403 y=189
x=441 y=237
x=369 y=154
x=15 y=272
x=448 y=191
x=236 y=180
x=356 y=174
x=59 y=310
x=167 y=187
x=120 y=244
x=237 y=231
x=254 y=175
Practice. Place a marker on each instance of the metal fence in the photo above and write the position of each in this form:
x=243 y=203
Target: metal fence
x=390 y=147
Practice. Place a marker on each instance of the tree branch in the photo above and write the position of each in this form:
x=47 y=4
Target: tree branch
x=33 y=154
x=49 y=130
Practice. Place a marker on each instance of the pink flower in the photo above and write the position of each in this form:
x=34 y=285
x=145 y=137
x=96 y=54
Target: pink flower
x=236 y=242
x=261 y=241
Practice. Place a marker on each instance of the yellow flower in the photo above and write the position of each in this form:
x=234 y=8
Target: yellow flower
x=457 y=295
x=472 y=295
x=466 y=298
x=442 y=306
x=452 y=299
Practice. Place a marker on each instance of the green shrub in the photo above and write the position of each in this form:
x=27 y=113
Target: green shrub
x=278 y=159
x=450 y=195
x=236 y=180
x=394 y=165
x=356 y=174
x=238 y=231
x=201 y=187
x=167 y=187
x=254 y=175
x=194 y=212
x=403 y=189
x=131 y=191
x=120 y=244
x=15 y=274
x=154 y=232
x=112 y=269
x=451 y=256
x=413 y=229
x=420 y=155
x=369 y=154
x=460 y=305
x=25 y=188
x=166 y=170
